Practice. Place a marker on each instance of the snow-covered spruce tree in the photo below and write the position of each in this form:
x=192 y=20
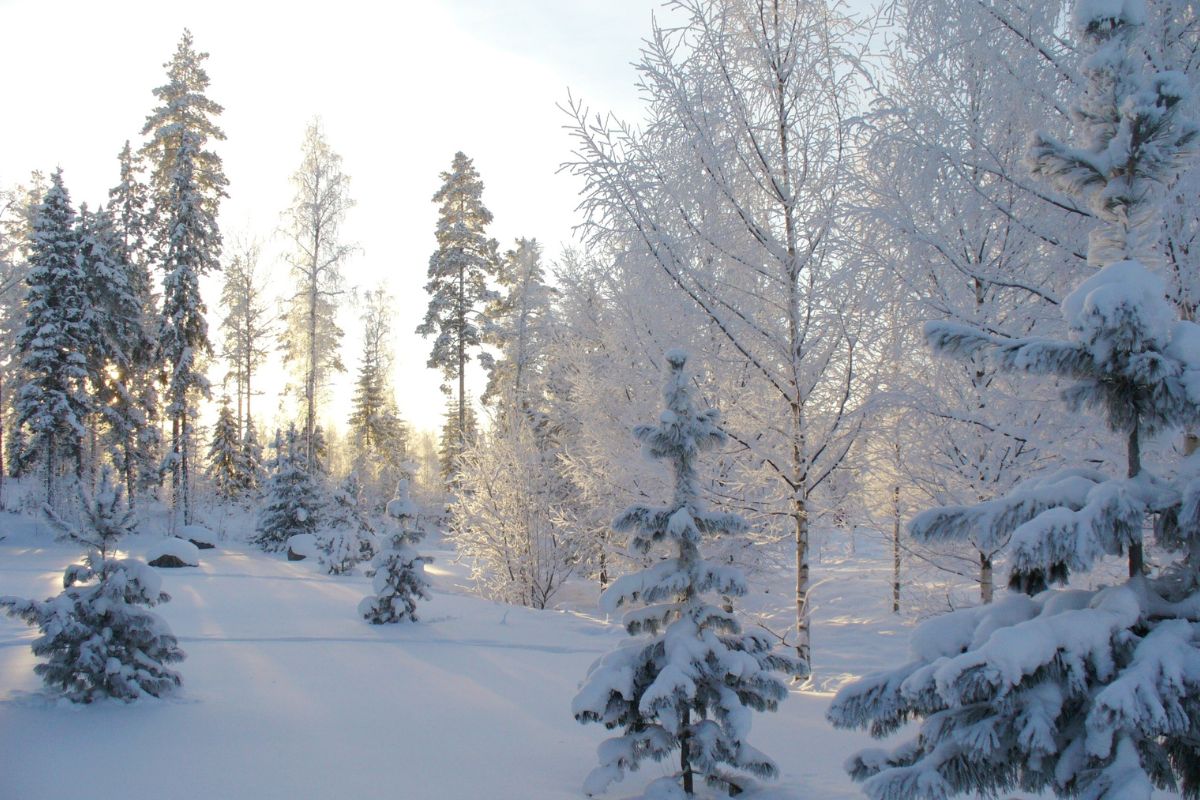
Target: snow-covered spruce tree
x=98 y=639
x=399 y=572
x=225 y=455
x=292 y=501
x=52 y=403
x=347 y=537
x=250 y=458
x=1090 y=693
x=688 y=677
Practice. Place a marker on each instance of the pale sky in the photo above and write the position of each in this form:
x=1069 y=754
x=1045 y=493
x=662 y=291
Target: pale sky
x=399 y=87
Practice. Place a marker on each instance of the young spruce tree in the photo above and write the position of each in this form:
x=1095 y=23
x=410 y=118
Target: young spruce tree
x=98 y=639
x=292 y=502
x=686 y=679
x=1089 y=693
x=399 y=572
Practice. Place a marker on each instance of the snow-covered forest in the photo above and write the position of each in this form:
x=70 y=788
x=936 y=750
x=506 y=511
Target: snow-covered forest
x=848 y=448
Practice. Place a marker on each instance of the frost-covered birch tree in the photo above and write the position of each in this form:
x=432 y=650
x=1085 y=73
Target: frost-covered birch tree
x=1082 y=692
x=966 y=234
x=248 y=324
x=734 y=188
x=314 y=223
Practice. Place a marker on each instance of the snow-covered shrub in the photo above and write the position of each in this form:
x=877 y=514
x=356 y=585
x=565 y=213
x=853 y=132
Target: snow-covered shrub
x=1083 y=693
x=399 y=572
x=97 y=637
x=514 y=524
x=688 y=677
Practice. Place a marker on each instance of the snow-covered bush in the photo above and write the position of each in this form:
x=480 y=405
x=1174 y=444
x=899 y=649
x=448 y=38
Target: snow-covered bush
x=98 y=639
x=688 y=677
x=1088 y=693
x=514 y=524
x=399 y=572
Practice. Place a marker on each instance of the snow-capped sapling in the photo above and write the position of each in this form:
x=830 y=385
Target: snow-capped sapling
x=689 y=676
x=98 y=638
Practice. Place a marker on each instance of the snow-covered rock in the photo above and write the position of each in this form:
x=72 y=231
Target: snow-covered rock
x=199 y=535
x=173 y=552
x=302 y=546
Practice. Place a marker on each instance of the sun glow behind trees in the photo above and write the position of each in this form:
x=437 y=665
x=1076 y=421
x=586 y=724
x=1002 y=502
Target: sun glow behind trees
x=392 y=131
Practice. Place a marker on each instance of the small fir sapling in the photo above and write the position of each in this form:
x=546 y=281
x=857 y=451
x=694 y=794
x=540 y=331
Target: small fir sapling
x=292 y=502
x=399 y=571
x=689 y=677
x=1084 y=693
x=98 y=638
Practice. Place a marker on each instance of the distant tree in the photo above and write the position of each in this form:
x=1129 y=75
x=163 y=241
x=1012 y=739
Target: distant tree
x=458 y=281
x=292 y=502
x=379 y=437
x=251 y=458
x=129 y=211
x=689 y=677
x=518 y=325
x=399 y=580
x=53 y=403
x=225 y=462
x=99 y=640
x=458 y=433
x=314 y=226
x=248 y=324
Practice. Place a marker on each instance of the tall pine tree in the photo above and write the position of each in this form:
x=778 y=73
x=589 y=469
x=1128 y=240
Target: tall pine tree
x=458 y=279
x=187 y=183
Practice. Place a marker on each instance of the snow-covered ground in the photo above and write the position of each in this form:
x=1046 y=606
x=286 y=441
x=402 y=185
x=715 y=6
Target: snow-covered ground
x=287 y=694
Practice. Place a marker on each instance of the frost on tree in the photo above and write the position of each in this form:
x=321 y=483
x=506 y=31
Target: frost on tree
x=690 y=676
x=98 y=638
x=292 y=501
x=399 y=572
x=1092 y=693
